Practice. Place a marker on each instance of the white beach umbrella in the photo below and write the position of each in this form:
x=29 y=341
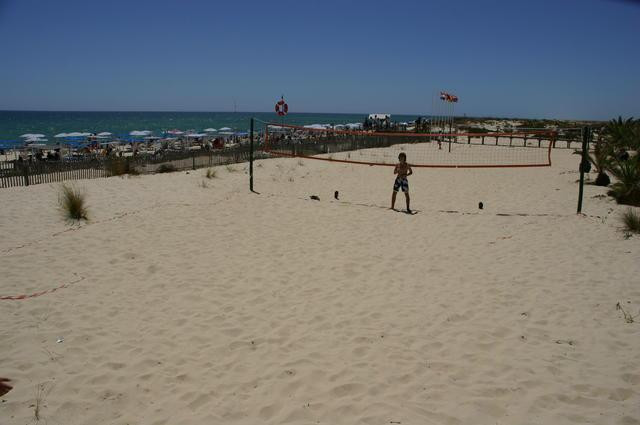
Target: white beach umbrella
x=32 y=135
x=140 y=133
x=210 y=129
x=74 y=134
x=225 y=129
x=85 y=134
x=61 y=135
x=316 y=126
x=104 y=133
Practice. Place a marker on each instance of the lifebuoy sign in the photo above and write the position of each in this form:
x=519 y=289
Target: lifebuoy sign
x=282 y=108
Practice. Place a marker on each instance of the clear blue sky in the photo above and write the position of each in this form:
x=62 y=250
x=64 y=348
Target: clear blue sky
x=561 y=58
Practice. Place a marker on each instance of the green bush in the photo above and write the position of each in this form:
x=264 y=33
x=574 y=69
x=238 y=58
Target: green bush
x=72 y=203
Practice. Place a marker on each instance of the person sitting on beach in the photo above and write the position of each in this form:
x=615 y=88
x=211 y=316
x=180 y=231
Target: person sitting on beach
x=403 y=170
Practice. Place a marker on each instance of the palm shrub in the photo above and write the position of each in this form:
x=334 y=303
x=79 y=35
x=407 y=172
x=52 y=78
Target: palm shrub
x=624 y=133
x=626 y=190
x=601 y=158
x=72 y=203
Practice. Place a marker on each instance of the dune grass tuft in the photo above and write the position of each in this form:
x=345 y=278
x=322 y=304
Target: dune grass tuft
x=73 y=204
x=230 y=168
x=631 y=221
x=211 y=173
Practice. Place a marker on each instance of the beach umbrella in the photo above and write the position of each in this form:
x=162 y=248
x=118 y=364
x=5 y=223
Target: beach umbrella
x=61 y=135
x=225 y=129
x=32 y=135
x=210 y=129
x=75 y=134
x=85 y=134
x=104 y=133
x=316 y=126
x=140 y=133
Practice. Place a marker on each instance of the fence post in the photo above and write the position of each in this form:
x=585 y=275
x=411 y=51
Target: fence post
x=584 y=163
x=251 y=156
x=25 y=171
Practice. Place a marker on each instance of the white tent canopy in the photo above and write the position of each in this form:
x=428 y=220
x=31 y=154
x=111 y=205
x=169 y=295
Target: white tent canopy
x=210 y=129
x=379 y=116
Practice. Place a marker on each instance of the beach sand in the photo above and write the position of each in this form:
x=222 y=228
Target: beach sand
x=194 y=305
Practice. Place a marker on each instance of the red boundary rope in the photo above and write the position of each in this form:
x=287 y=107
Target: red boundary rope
x=38 y=294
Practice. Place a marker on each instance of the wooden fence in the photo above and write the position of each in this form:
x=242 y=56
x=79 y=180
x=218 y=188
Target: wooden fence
x=25 y=173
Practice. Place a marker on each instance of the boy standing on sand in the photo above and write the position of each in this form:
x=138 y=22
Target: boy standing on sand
x=403 y=170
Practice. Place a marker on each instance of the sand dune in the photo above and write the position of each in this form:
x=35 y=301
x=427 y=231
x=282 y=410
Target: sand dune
x=197 y=305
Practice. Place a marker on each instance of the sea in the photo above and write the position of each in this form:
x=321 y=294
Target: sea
x=15 y=123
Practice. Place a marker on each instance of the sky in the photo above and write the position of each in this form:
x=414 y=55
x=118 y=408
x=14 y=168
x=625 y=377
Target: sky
x=567 y=59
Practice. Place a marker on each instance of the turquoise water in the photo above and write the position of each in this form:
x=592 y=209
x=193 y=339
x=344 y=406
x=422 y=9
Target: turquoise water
x=15 y=123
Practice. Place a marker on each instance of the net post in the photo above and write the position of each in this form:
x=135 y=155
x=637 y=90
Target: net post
x=251 y=155
x=583 y=164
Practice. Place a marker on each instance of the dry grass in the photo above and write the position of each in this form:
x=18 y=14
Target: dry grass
x=211 y=173
x=230 y=168
x=631 y=221
x=72 y=203
x=628 y=318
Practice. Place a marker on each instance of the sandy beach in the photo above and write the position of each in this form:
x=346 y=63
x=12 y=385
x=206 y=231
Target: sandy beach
x=187 y=304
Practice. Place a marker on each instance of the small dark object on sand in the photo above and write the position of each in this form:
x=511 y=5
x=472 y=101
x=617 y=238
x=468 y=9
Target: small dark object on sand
x=314 y=197
x=4 y=386
x=335 y=194
x=480 y=205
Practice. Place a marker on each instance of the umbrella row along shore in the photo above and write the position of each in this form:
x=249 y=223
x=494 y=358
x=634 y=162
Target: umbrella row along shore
x=136 y=141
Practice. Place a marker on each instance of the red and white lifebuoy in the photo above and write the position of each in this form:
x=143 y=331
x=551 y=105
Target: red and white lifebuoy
x=282 y=108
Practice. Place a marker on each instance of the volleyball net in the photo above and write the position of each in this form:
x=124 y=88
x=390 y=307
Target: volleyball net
x=530 y=148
